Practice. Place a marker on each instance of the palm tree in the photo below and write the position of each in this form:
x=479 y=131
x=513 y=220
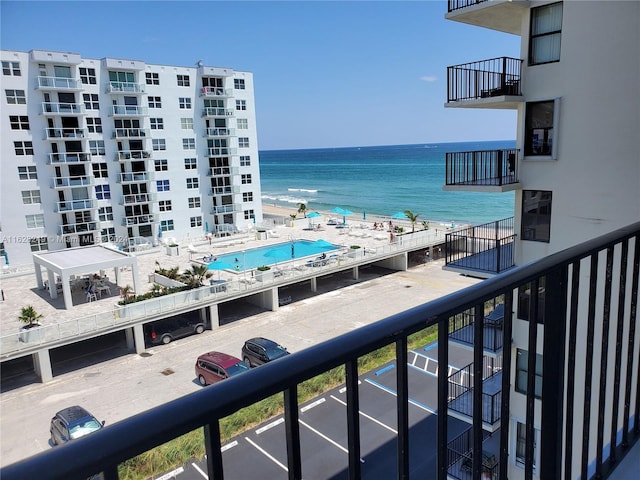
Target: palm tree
x=302 y=208
x=413 y=218
x=29 y=316
x=194 y=278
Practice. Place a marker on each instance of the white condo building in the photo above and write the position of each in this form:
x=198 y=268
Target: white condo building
x=121 y=151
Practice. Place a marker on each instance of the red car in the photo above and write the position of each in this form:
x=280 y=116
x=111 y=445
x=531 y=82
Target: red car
x=215 y=366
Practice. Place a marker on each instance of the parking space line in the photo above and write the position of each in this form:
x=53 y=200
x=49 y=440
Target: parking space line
x=385 y=369
x=200 y=471
x=322 y=435
x=344 y=389
x=269 y=426
x=394 y=393
x=429 y=347
x=311 y=405
x=367 y=416
x=228 y=446
x=172 y=474
x=268 y=455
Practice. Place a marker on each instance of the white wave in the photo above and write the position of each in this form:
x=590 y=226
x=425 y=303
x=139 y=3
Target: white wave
x=302 y=190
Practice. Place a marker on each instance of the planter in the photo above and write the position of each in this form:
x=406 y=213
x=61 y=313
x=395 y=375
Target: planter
x=31 y=333
x=264 y=276
x=173 y=251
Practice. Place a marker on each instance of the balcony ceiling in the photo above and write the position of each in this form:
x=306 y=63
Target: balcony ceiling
x=501 y=15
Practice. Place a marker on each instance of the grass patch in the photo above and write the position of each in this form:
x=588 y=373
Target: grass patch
x=191 y=445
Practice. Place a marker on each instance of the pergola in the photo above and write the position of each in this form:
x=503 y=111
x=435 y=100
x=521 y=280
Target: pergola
x=80 y=261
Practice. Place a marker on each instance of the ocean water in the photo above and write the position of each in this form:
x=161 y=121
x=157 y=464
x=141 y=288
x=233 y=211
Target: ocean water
x=379 y=180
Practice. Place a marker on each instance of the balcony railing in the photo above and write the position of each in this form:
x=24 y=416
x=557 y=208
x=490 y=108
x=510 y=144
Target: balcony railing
x=486 y=249
x=218 y=112
x=69 y=205
x=224 y=209
x=128 y=111
x=132 y=155
x=76 y=181
x=72 y=228
x=132 y=177
x=221 y=151
x=138 y=198
x=51 y=108
x=576 y=413
x=223 y=190
x=460 y=456
x=131 y=133
x=125 y=87
x=140 y=219
x=486 y=78
x=216 y=92
x=69 y=157
x=58 y=83
x=56 y=133
x=220 y=132
x=462 y=330
x=482 y=168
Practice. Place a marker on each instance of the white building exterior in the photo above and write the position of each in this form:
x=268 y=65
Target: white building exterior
x=113 y=150
x=578 y=166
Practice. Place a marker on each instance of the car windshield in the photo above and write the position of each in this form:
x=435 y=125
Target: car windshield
x=84 y=428
x=237 y=368
x=276 y=351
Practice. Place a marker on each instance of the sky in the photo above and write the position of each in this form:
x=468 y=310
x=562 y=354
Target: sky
x=326 y=73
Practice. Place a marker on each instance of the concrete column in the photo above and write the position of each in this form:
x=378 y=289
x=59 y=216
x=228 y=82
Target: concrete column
x=128 y=333
x=215 y=316
x=314 y=284
x=356 y=273
x=202 y=313
x=66 y=293
x=38 y=273
x=275 y=299
x=51 y=281
x=135 y=338
x=42 y=365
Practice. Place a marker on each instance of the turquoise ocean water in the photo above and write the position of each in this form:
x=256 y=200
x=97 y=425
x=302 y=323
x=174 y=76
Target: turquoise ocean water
x=379 y=180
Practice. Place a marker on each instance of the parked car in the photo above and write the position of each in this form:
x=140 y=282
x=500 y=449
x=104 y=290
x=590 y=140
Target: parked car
x=166 y=330
x=212 y=367
x=259 y=350
x=71 y=423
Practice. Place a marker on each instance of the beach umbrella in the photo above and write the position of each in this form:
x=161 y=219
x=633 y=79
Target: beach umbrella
x=364 y=215
x=313 y=215
x=338 y=210
x=345 y=213
x=399 y=215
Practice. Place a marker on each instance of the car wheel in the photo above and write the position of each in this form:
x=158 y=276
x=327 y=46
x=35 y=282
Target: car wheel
x=166 y=339
x=199 y=329
x=247 y=362
x=202 y=381
x=53 y=440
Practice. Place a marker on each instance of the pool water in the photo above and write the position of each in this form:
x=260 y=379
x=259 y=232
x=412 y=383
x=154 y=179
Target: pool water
x=271 y=254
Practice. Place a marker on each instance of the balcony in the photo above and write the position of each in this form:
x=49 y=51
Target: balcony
x=125 y=87
x=224 y=190
x=220 y=132
x=58 y=84
x=138 y=198
x=140 y=220
x=75 y=181
x=224 y=209
x=218 y=112
x=216 y=92
x=71 y=205
x=221 y=151
x=136 y=177
x=128 y=111
x=125 y=133
x=571 y=339
x=482 y=250
x=462 y=330
x=64 y=133
x=74 y=157
x=223 y=171
x=460 y=456
x=132 y=155
x=482 y=170
x=501 y=15
x=493 y=83
x=62 y=109
x=73 y=228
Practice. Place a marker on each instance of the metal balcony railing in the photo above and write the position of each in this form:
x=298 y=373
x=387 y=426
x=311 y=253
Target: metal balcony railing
x=72 y=228
x=63 y=108
x=460 y=457
x=216 y=92
x=128 y=111
x=69 y=157
x=462 y=330
x=58 y=83
x=132 y=154
x=461 y=390
x=70 y=205
x=484 y=168
x=131 y=133
x=125 y=87
x=585 y=284
x=221 y=151
x=55 y=133
x=140 y=219
x=218 y=112
x=486 y=78
x=76 y=181
x=131 y=177
x=223 y=209
x=220 y=132
x=138 y=198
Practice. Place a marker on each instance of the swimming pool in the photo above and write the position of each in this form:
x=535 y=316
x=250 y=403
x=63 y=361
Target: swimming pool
x=271 y=254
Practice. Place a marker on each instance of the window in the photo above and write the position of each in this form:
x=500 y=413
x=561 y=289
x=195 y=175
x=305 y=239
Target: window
x=161 y=165
x=30 y=197
x=193 y=182
x=166 y=225
x=103 y=192
x=241 y=104
x=194 y=202
x=521 y=443
x=23 y=148
x=243 y=142
x=100 y=170
x=248 y=214
x=245 y=160
x=19 y=122
x=91 y=101
x=546 y=26
x=105 y=214
x=88 y=76
x=164 y=205
x=196 y=221
x=16 y=97
x=155 y=102
x=108 y=234
x=162 y=185
x=247 y=197
x=246 y=179
x=124 y=77
x=186 y=123
x=94 y=125
x=536 y=215
x=190 y=164
x=243 y=124
x=96 y=147
x=11 y=68
x=183 y=80
x=238 y=83
x=27 y=173
x=184 y=102
x=39 y=244
x=152 y=78
x=156 y=123
x=35 y=221
x=521 y=373
x=159 y=144
x=539 y=122
x=189 y=143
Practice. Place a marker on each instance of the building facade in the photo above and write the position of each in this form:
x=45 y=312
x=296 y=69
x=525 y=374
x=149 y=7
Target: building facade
x=121 y=151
